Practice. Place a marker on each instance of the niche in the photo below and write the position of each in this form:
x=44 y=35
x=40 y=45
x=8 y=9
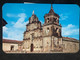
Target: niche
x=47 y=31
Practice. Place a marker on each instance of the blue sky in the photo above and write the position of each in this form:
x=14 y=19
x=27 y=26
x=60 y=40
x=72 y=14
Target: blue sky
x=17 y=15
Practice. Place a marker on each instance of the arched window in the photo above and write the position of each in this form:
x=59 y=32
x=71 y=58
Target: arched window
x=56 y=29
x=47 y=28
x=48 y=20
x=47 y=31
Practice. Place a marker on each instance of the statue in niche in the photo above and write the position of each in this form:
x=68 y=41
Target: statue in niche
x=32 y=37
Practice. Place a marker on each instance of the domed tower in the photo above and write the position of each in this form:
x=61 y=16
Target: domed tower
x=34 y=23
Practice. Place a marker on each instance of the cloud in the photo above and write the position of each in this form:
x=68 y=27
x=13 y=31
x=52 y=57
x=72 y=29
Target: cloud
x=63 y=17
x=16 y=31
x=5 y=29
x=17 y=34
x=14 y=34
x=20 y=22
x=70 y=30
x=11 y=15
x=22 y=15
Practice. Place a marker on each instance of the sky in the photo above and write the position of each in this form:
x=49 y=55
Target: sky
x=17 y=16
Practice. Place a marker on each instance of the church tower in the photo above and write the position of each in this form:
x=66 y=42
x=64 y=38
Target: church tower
x=46 y=37
x=52 y=32
x=34 y=23
x=52 y=20
x=51 y=17
x=33 y=31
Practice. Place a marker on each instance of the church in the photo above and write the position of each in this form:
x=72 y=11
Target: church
x=47 y=38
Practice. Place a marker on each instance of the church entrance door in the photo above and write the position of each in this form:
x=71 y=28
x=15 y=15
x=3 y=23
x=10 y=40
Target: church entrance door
x=31 y=47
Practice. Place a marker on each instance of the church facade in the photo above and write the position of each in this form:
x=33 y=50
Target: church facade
x=44 y=38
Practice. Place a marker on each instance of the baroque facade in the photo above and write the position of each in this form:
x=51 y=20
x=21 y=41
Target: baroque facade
x=46 y=37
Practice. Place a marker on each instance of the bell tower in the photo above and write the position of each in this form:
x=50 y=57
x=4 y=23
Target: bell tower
x=52 y=21
x=34 y=23
x=51 y=17
x=52 y=32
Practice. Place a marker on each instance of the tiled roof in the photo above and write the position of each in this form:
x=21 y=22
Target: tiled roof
x=11 y=41
x=68 y=38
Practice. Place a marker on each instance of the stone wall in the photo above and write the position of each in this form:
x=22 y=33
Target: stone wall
x=70 y=46
x=46 y=37
x=7 y=46
x=37 y=33
x=47 y=43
